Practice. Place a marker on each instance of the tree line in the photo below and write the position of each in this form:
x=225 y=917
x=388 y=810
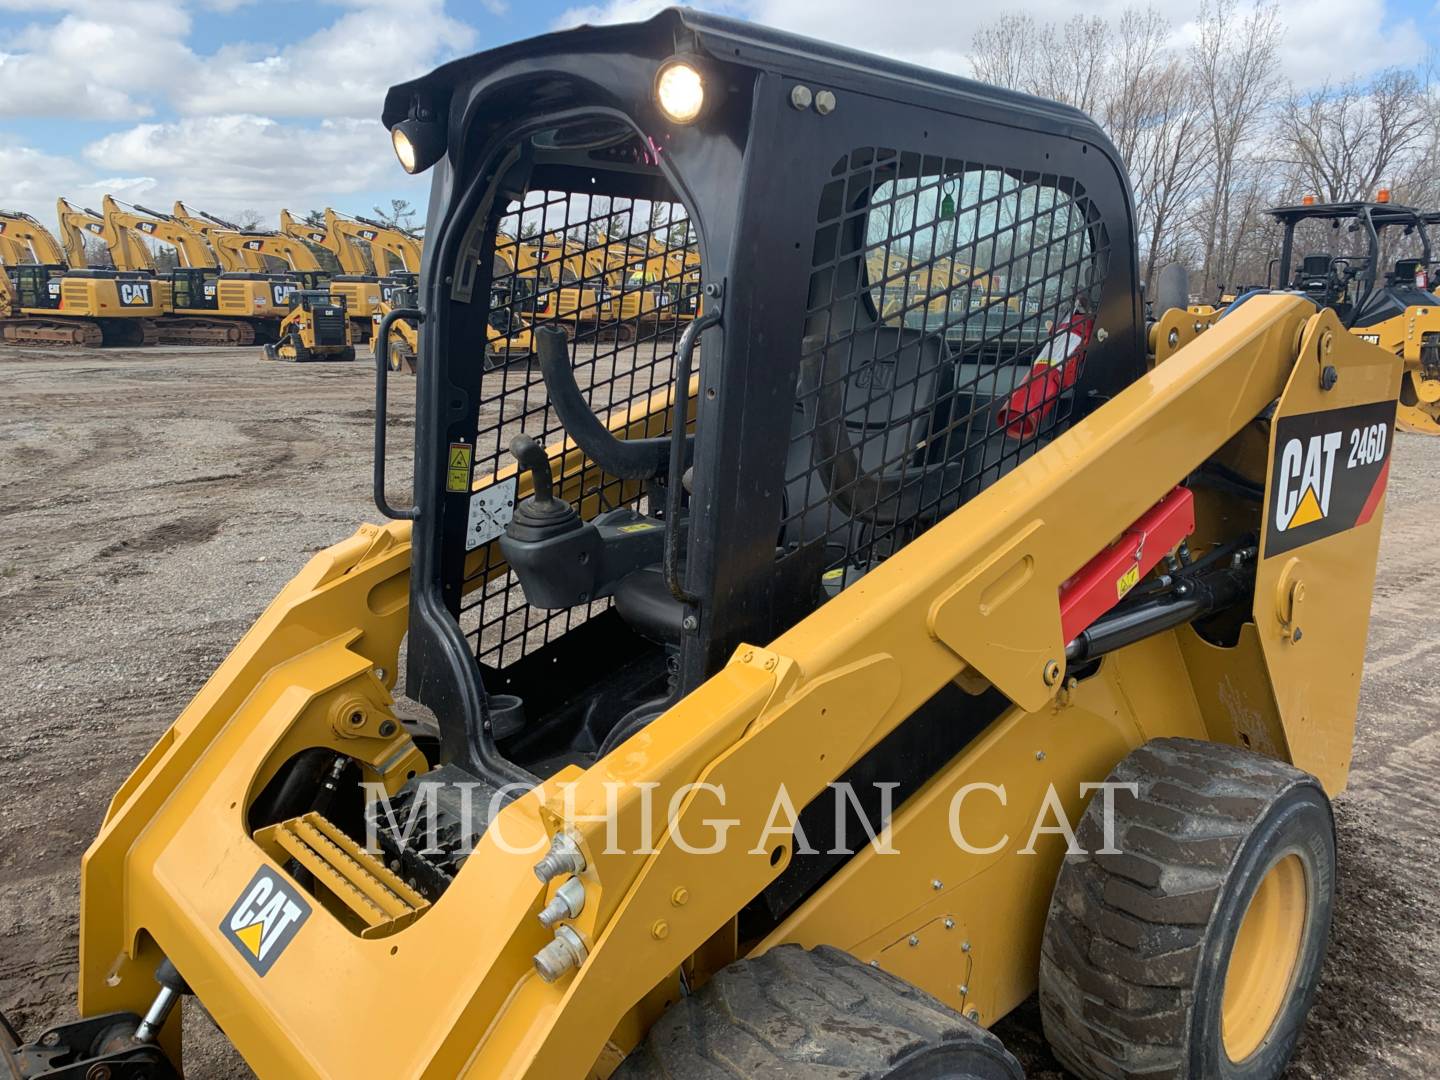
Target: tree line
x=1213 y=135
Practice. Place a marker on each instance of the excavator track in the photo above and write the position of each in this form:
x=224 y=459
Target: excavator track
x=52 y=332
x=128 y=332
x=222 y=332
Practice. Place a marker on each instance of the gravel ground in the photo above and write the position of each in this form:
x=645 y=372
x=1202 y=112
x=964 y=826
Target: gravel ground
x=155 y=500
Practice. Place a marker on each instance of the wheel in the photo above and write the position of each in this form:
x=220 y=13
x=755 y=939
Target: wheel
x=793 y=1012
x=346 y=354
x=1194 y=949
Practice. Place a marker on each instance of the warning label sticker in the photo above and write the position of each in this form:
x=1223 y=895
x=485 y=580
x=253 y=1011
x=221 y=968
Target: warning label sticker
x=457 y=468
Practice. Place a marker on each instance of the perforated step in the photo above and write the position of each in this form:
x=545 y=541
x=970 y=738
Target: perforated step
x=374 y=895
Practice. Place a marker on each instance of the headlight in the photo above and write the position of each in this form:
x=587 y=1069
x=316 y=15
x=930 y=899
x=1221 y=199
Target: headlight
x=404 y=149
x=680 y=91
x=418 y=143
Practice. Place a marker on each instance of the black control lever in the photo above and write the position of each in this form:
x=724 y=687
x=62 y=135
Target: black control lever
x=531 y=457
x=542 y=515
x=627 y=459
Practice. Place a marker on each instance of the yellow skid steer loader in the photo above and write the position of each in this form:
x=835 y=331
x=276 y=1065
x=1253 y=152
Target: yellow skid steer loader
x=798 y=690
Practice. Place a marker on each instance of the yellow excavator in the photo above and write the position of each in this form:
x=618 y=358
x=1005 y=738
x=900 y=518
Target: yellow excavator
x=392 y=249
x=203 y=223
x=78 y=222
x=208 y=304
x=46 y=301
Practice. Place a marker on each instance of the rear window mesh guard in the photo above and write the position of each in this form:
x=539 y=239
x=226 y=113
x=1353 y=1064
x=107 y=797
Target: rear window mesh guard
x=950 y=306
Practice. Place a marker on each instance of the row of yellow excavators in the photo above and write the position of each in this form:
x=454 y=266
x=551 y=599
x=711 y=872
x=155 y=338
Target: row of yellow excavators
x=224 y=285
x=232 y=286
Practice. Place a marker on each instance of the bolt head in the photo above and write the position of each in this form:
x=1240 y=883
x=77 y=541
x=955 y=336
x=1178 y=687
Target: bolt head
x=1051 y=673
x=1297 y=635
x=690 y=623
x=1174 y=338
x=949 y=924
x=50 y=1038
x=964 y=946
x=964 y=989
x=1328 y=376
x=973 y=1015
x=914 y=940
x=680 y=897
x=1039 y=755
x=825 y=102
x=801 y=97
x=661 y=930
x=937 y=884
x=387 y=728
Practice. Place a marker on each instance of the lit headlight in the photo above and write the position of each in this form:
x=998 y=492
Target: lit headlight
x=680 y=91
x=404 y=149
x=418 y=143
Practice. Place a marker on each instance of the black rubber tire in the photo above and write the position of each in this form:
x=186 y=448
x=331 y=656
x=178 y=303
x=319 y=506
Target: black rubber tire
x=815 y=1013
x=1137 y=944
x=347 y=354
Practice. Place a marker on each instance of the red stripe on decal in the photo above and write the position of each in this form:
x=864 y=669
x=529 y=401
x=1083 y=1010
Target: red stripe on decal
x=1373 y=499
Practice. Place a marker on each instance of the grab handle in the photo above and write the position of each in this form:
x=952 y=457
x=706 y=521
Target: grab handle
x=382 y=380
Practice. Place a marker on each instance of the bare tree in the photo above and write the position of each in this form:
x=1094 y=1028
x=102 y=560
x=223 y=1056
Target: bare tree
x=401 y=215
x=1237 y=71
x=249 y=219
x=1345 y=141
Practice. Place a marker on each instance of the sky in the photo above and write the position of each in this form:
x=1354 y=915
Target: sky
x=250 y=105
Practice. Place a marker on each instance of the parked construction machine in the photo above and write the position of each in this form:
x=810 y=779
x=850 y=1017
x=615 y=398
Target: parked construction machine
x=199 y=221
x=363 y=288
x=210 y=298
x=392 y=249
x=754 y=677
x=1393 y=307
x=317 y=328
x=46 y=301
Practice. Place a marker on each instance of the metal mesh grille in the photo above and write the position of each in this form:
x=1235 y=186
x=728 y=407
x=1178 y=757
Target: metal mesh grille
x=949 y=313
x=622 y=278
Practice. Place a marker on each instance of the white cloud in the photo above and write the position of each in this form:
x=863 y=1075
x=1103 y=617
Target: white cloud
x=937 y=33
x=614 y=11
x=229 y=163
x=100 y=60
x=343 y=70
x=31 y=180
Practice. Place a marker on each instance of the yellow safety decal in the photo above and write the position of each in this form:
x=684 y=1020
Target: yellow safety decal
x=1126 y=582
x=639 y=526
x=457 y=471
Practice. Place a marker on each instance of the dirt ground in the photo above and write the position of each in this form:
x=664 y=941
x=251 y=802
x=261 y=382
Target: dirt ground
x=153 y=501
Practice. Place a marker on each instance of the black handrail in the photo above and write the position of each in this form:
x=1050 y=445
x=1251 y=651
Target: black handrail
x=382 y=379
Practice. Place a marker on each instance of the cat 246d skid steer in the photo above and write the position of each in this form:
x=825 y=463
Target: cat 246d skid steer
x=768 y=657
